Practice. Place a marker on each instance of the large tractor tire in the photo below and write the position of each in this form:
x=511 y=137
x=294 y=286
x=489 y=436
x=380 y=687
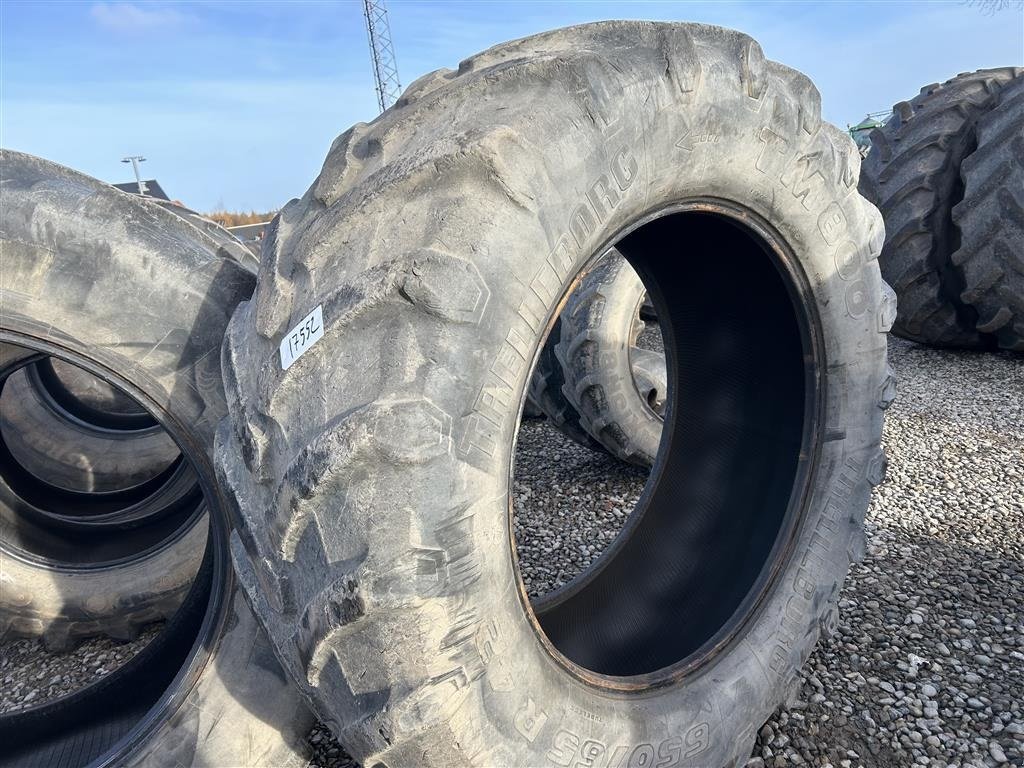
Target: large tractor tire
x=617 y=387
x=376 y=377
x=125 y=291
x=991 y=221
x=913 y=175
x=546 y=393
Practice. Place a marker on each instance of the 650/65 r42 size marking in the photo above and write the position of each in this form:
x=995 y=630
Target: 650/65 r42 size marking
x=304 y=335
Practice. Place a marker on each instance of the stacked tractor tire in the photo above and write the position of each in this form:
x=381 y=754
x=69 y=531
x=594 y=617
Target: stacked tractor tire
x=113 y=312
x=947 y=173
x=644 y=232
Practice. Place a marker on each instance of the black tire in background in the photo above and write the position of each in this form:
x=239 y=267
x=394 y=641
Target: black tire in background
x=377 y=375
x=912 y=174
x=127 y=291
x=546 y=393
x=990 y=259
x=531 y=410
x=615 y=386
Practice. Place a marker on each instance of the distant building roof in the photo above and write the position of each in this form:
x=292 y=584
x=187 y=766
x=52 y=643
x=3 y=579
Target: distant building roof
x=248 y=232
x=153 y=188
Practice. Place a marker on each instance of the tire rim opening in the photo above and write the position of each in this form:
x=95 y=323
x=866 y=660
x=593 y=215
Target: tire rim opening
x=81 y=494
x=97 y=720
x=718 y=512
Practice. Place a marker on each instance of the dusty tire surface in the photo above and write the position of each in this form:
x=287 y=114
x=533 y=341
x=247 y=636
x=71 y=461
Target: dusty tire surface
x=613 y=385
x=990 y=259
x=912 y=174
x=371 y=471
x=228 y=245
x=126 y=291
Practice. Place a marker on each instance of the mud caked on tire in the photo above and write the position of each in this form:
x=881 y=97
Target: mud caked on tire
x=912 y=174
x=990 y=259
x=616 y=387
x=375 y=380
x=127 y=292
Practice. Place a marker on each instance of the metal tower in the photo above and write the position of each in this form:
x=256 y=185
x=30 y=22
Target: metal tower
x=382 y=52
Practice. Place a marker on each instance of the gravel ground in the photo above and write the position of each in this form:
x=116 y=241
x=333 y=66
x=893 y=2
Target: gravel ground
x=650 y=338
x=570 y=503
x=927 y=664
x=29 y=675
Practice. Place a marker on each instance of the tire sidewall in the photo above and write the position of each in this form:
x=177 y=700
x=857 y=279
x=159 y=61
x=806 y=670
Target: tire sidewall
x=551 y=716
x=464 y=664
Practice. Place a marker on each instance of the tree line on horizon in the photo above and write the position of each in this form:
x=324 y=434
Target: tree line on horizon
x=238 y=218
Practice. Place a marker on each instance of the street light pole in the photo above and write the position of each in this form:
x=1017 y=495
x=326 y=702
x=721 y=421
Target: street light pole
x=135 y=160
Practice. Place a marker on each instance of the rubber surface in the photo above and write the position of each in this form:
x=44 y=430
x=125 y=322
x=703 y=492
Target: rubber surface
x=228 y=245
x=547 y=393
x=912 y=174
x=612 y=383
x=93 y=560
x=128 y=291
x=990 y=260
x=71 y=453
x=89 y=393
x=372 y=474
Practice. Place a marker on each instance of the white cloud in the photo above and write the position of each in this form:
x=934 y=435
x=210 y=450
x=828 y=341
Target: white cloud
x=128 y=17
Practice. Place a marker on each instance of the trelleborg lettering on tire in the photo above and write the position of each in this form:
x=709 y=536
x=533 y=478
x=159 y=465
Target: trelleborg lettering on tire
x=517 y=354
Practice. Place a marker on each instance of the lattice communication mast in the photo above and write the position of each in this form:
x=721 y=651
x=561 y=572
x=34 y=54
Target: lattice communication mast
x=385 y=70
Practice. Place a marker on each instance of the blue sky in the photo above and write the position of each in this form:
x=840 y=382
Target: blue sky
x=236 y=104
